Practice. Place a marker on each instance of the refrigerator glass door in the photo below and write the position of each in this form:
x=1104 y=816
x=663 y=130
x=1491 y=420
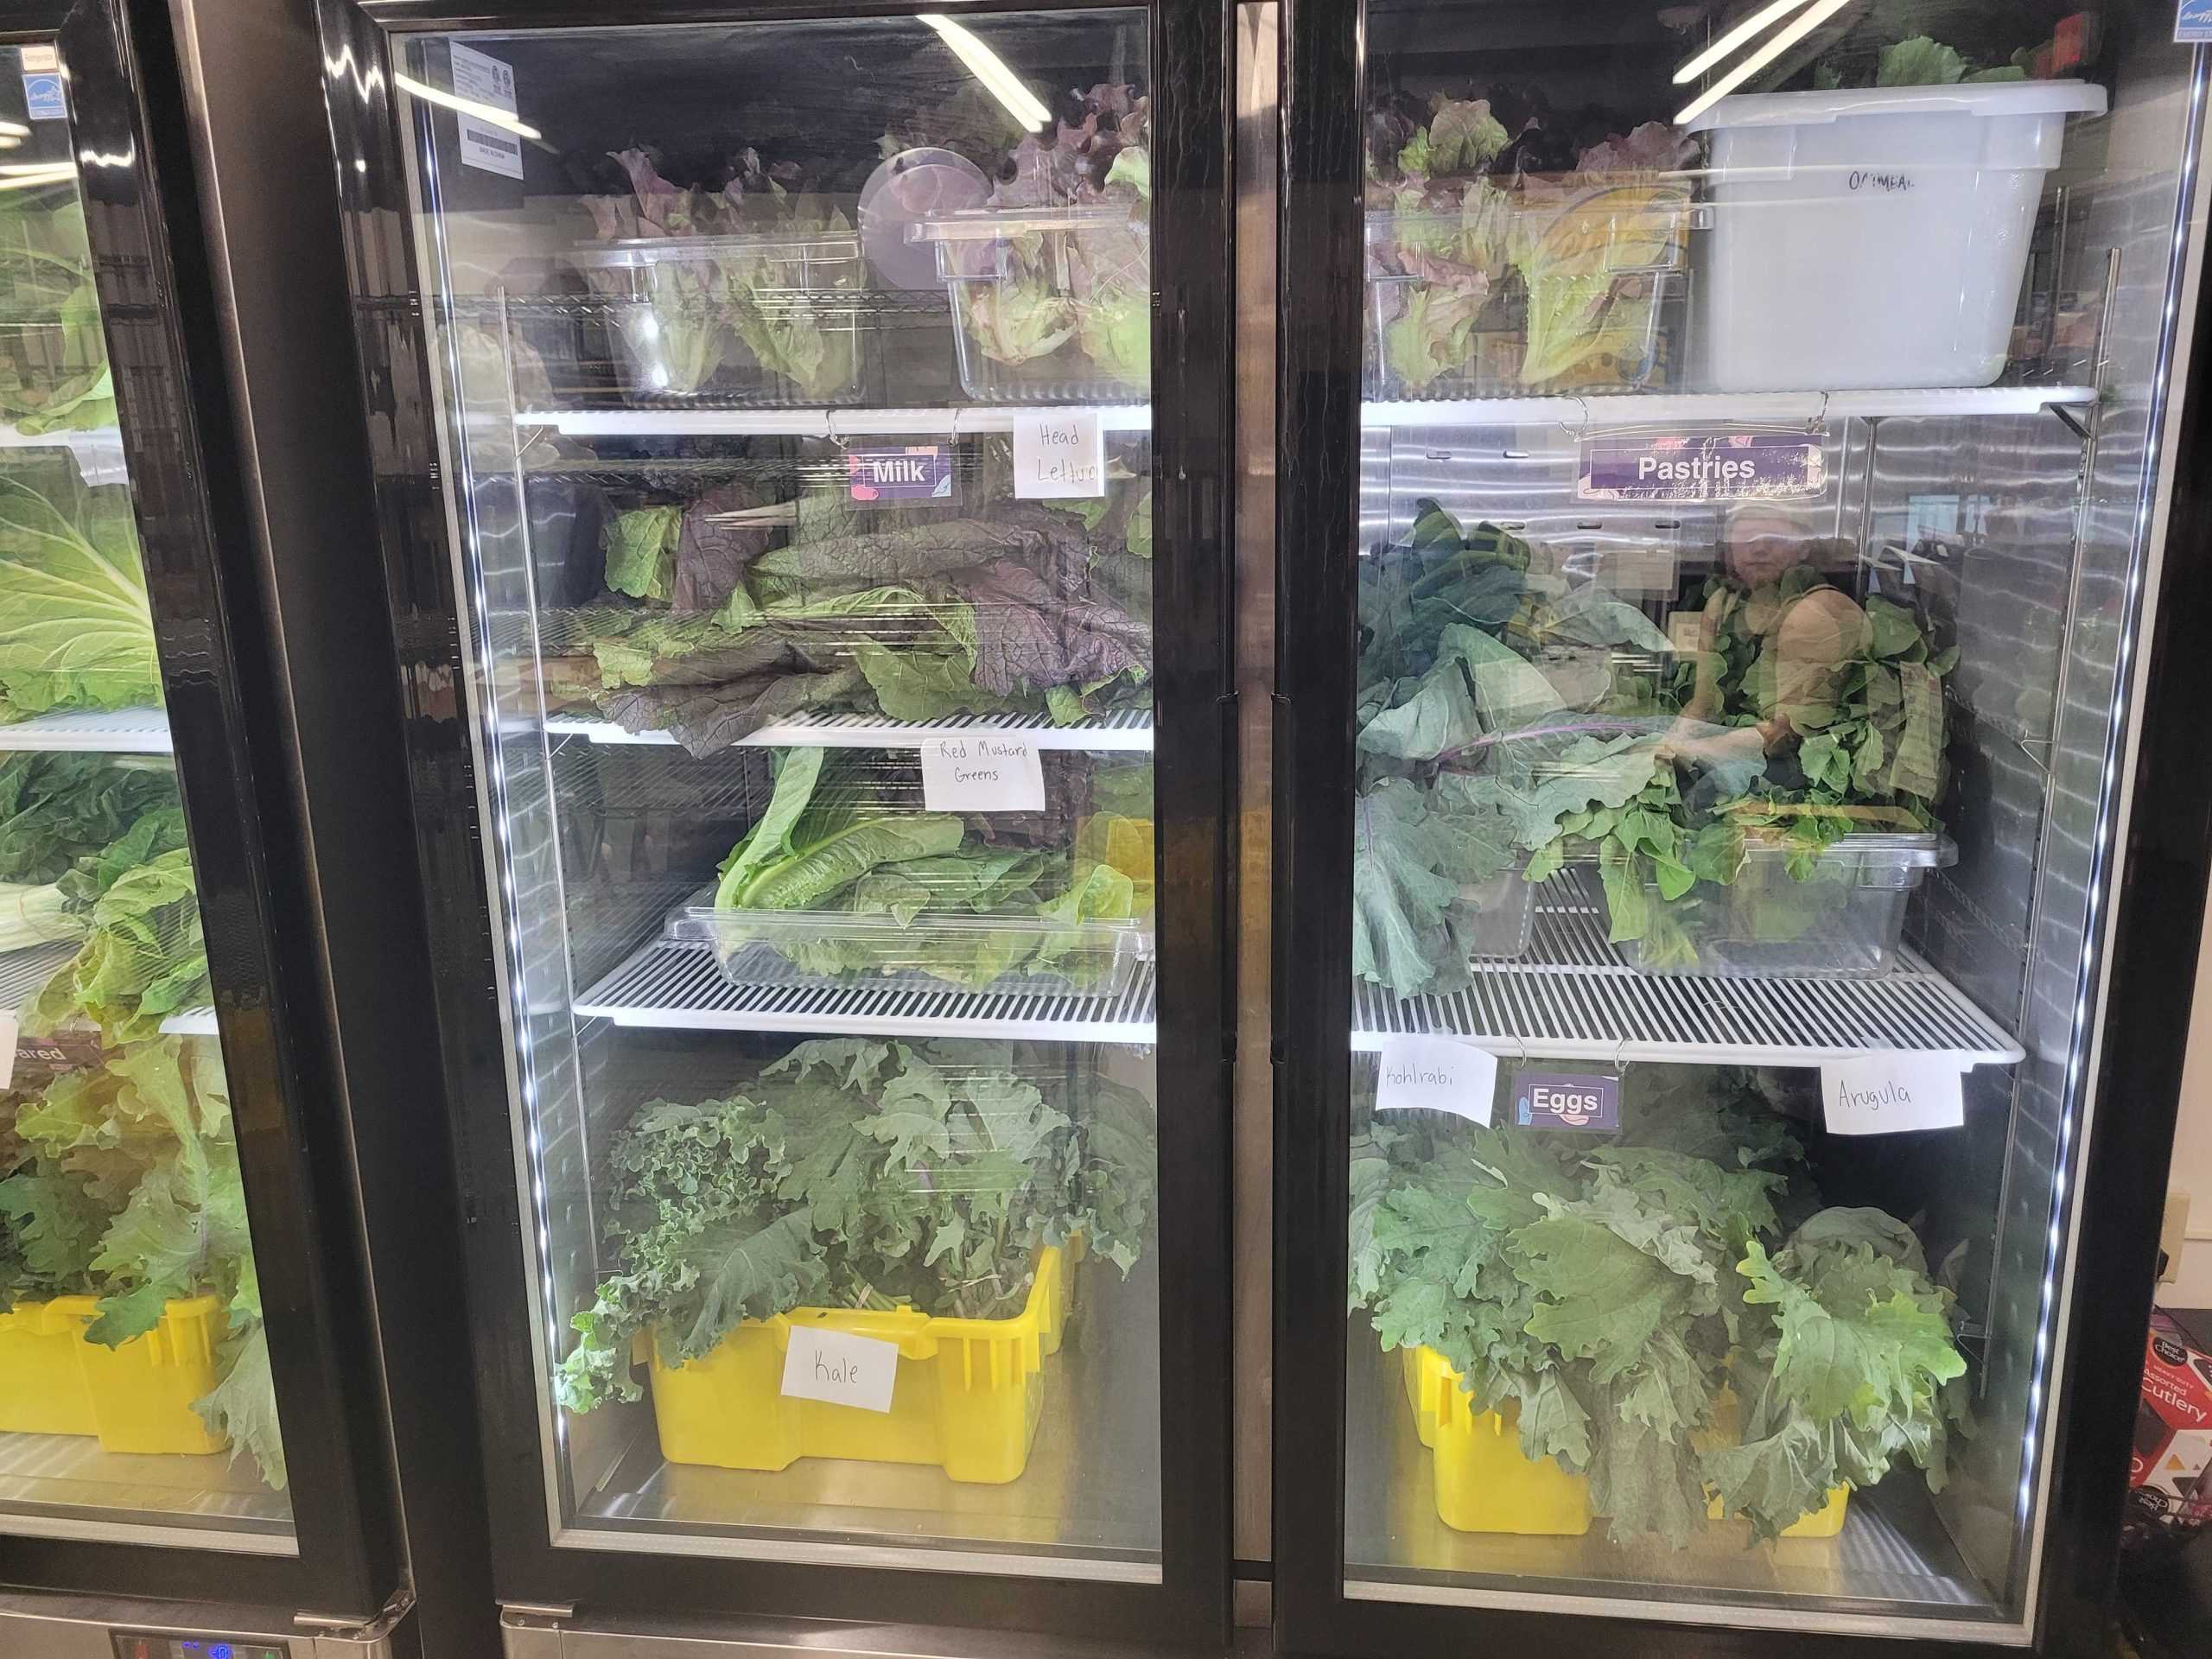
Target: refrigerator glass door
x=136 y=1395
x=1757 y=438
x=793 y=387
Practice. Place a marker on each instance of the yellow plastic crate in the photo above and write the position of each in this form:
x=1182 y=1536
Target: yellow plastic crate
x=136 y=1397
x=1483 y=1483
x=1486 y=1484
x=1823 y=1523
x=968 y=1396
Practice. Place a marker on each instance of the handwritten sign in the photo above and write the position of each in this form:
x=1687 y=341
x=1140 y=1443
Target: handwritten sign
x=7 y=1049
x=485 y=80
x=1889 y=1093
x=839 y=1368
x=1588 y=1101
x=1058 y=453
x=984 y=773
x=919 y=471
x=1436 y=1074
x=1702 y=467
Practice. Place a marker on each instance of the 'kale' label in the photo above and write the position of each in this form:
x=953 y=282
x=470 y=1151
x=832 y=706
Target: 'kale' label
x=919 y=471
x=1567 y=1100
x=1702 y=467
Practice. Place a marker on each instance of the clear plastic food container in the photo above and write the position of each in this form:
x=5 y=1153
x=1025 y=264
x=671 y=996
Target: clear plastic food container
x=1049 y=304
x=1462 y=305
x=1845 y=918
x=762 y=321
x=1002 y=954
x=1504 y=916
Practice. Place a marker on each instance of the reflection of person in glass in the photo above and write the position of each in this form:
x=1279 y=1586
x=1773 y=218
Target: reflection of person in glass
x=1807 y=639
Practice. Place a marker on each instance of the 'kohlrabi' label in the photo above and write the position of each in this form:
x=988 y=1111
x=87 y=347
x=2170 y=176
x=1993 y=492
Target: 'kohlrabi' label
x=1567 y=1100
x=1702 y=467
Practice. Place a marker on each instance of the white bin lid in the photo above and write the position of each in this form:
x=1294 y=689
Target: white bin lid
x=1984 y=98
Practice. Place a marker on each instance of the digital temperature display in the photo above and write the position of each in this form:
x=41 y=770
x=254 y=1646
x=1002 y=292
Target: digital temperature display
x=136 y=1644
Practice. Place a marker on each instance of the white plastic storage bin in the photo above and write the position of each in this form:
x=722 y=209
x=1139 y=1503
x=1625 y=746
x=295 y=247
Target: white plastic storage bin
x=1845 y=916
x=1875 y=237
x=1049 y=304
x=1003 y=954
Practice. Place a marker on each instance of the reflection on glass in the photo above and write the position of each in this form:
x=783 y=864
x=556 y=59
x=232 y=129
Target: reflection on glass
x=135 y=1383
x=795 y=377
x=1706 y=834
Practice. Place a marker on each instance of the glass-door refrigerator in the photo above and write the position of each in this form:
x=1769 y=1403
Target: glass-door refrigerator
x=193 y=1450
x=1732 y=454
x=800 y=450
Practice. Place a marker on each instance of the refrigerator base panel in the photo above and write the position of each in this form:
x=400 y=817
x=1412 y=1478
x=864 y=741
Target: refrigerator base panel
x=47 y=1480
x=1892 y=1556
x=1089 y=1491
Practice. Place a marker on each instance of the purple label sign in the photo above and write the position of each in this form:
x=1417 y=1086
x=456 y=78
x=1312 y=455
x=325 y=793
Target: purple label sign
x=1567 y=1100
x=920 y=472
x=1701 y=467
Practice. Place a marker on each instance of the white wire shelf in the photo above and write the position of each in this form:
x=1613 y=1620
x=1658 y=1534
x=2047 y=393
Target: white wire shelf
x=98 y=450
x=1717 y=408
x=122 y=731
x=1573 y=997
x=680 y=987
x=947 y=421
x=1128 y=729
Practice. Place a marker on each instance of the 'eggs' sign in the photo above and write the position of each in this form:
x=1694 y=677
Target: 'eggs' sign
x=1566 y=1100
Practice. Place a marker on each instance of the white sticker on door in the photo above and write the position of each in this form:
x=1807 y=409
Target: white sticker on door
x=839 y=1368
x=1057 y=454
x=983 y=773
x=1890 y=1093
x=487 y=81
x=1437 y=1074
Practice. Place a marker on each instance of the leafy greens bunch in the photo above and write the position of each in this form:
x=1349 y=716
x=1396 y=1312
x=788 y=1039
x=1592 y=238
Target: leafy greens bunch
x=1468 y=654
x=857 y=1173
x=830 y=842
x=76 y=630
x=121 y=1182
x=1805 y=717
x=752 y=291
x=1513 y=256
x=1084 y=287
x=723 y=613
x=53 y=368
x=1615 y=1298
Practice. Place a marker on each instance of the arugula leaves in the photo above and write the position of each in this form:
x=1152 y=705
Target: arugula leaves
x=854 y=1173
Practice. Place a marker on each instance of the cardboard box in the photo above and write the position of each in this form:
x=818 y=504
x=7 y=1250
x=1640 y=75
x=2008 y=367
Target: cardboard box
x=2169 y=1499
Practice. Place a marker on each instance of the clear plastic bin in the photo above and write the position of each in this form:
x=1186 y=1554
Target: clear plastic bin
x=1504 y=914
x=1442 y=324
x=1049 y=304
x=763 y=320
x=1003 y=954
x=1845 y=918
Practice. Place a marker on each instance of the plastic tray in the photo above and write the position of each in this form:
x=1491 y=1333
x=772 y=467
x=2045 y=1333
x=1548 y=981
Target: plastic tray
x=968 y=1396
x=936 y=951
x=1065 y=262
x=136 y=1397
x=1639 y=233
x=1844 y=919
x=673 y=323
